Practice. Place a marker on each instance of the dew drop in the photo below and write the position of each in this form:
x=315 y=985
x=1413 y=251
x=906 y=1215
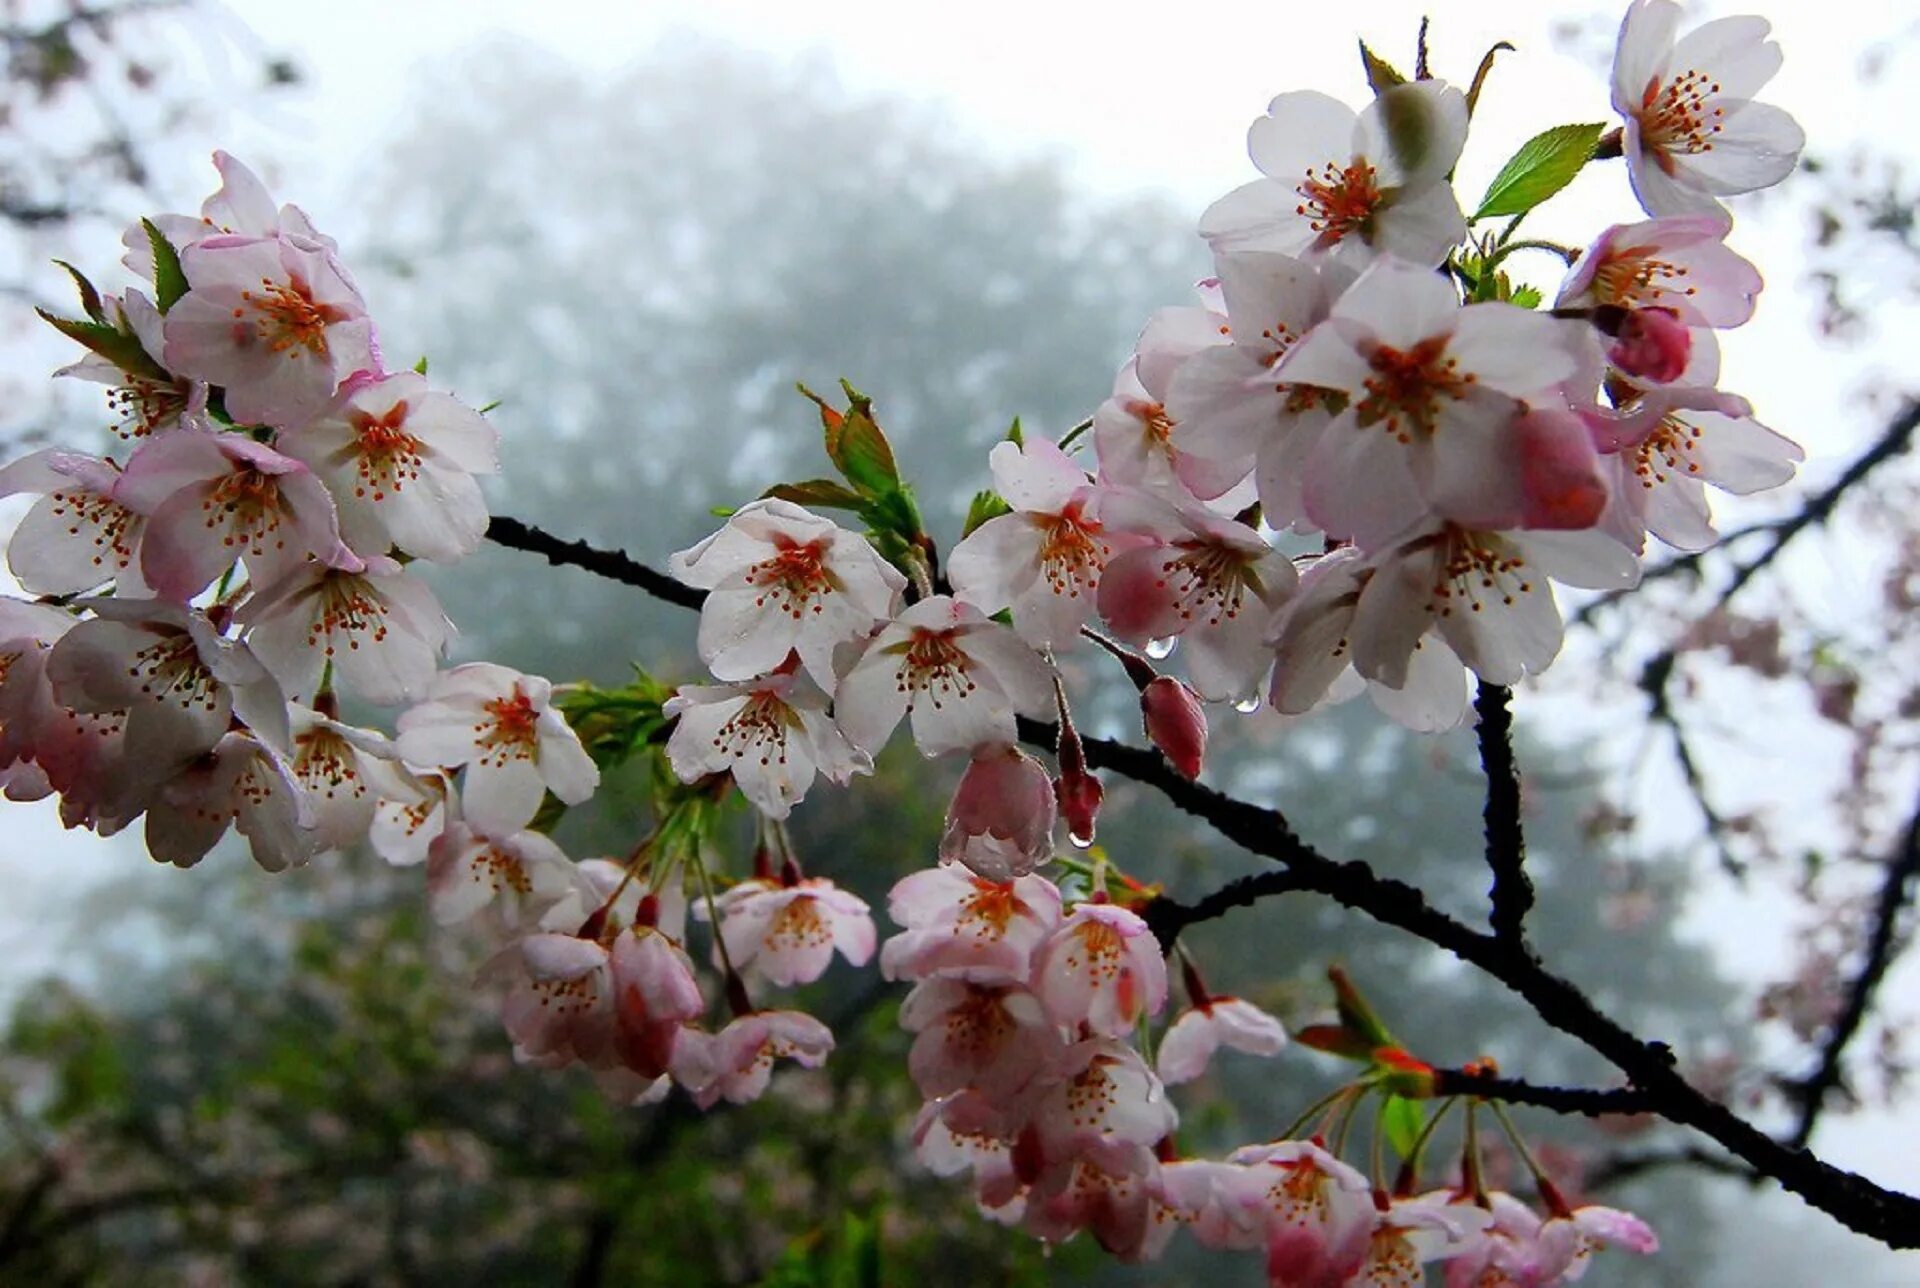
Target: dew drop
x=1083 y=842
x=1162 y=649
x=1248 y=705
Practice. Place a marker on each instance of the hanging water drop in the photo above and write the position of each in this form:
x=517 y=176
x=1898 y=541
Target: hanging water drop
x=1082 y=842
x=1248 y=705
x=1162 y=649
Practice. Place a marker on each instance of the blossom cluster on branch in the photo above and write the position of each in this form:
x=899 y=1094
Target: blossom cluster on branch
x=1357 y=464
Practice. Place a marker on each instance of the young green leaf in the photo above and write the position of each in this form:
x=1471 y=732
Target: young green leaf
x=89 y=297
x=1403 y=1120
x=823 y=493
x=1545 y=163
x=121 y=348
x=169 y=279
x=986 y=505
x=1381 y=74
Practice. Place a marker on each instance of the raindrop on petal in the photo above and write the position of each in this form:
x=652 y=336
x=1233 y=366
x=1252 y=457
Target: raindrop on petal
x=1162 y=649
x=1084 y=842
x=1248 y=705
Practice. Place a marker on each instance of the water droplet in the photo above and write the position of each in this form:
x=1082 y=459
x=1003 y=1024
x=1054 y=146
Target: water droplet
x=1083 y=842
x=1162 y=649
x=1248 y=705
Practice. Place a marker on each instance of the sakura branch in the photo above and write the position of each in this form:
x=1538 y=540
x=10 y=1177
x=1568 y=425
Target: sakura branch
x=1356 y=463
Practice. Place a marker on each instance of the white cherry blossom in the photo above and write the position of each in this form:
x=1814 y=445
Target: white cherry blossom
x=772 y=734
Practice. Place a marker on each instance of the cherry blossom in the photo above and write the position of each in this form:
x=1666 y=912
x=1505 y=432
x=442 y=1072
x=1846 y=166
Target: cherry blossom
x=959 y=677
x=991 y=1038
x=344 y=772
x=1350 y=185
x=1043 y=560
x=146 y=398
x=1680 y=263
x=376 y=630
x=736 y=1063
x=772 y=734
x=786 y=933
x=1101 y=968
x=501 y=725
x=240 y=783
x=1000 y=822
x=241 y=207
x=964 y=926
x=1693 y=133
x=77 y=536
x=1321 y=1215
x=209 y=498
x=1176 y=723
x=400 y=459
x=779 y=580
x=1134 y=430
x=1190 y=1041
x=273 y=322
x=560 y=1008
x=655 y=996
x=468 y=870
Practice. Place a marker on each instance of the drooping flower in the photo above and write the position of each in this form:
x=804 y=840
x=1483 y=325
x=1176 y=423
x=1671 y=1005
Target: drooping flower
x=1693 y=133
x=958 y=676
x=1191 y=1040
x=502 y=726
x=772 y=734
x=787 y=933
x=1102 y=968
x=992 y=1038
x=520 y=873
x=240 y=783
x=963 y=926
x=1350 y=185
x=1000 y=822
x=780 y=579
x=655 y=996
x=736 y=1063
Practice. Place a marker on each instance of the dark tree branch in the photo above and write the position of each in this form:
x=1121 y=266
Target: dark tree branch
x=1653 y=682
x=1859 y=1204
x=1591 y=1101
x=1896 y=893
x=1512 y=892
x=614 y=565
x=1167 y=918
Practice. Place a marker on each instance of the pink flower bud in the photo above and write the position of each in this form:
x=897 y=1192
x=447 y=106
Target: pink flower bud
x=1176 y=723
x=1000 y=823
x=1079 y=794
x=1653 y=344
x=1559 y=471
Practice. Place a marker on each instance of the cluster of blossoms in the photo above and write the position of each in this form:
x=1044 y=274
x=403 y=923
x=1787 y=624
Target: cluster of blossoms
x=1355 y=465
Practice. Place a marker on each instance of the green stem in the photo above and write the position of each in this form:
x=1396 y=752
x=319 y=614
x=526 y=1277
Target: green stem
x=1314 y=1109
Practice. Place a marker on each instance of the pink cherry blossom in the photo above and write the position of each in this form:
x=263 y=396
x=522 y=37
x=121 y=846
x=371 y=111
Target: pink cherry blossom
x=958 y=676
x=1680 y=263
x=77 y=536
x=501 y=725
x=1320 y=1213
x=344 y=772
x=991 y=1038
x=1000 y=822
x=240 y=783
x=966 y=927
x=1103 y=968
x=409 y=814
x=656 y=994
x=1043 y=560
x=1211 y=581
x=736 y=1063
x=787 y=933
x=1223 y=1204
x=1433 y=412
x=780 y=579
x=1693 y=133
x=209 y=498
x=149 y=399
x=241 y=207
x=273 y=322
x=772 y=734
x=1191 y=1040
x=1413 y=1231
x=1347 y=185
x=1104 y=1102
x=560 y=1008
x=520 y=873
x=400 y=459
x=1111 y=1201
x=1134 y=430
x=379 y=629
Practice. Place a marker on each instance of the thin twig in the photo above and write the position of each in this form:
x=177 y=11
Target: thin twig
x=1512 y=892
x=1591 y=1101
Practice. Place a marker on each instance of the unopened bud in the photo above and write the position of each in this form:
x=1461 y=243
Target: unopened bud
x=1653 y=344
x=1176 y=723
x=1079 y=794
x=1000 y=823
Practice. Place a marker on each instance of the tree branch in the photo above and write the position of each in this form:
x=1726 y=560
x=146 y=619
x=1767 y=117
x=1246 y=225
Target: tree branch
x=1590 y=1101
x=1512 y=892
x=1896 y=892
x=1859 y=1204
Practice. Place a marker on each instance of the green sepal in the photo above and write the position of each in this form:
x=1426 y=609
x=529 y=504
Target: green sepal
x=420 y=367
x=616 y=724
x=1355 y=1012
x=122 y=348
x=1480 y=76
x=89 y=297
x=1526 y=297
x=1335 y=1039
x=1016 y=435
x=1544 y=165
x=169 y=279
x=855 y=444
x=1403 y=1120
x=986 y=505
x=1381 y=74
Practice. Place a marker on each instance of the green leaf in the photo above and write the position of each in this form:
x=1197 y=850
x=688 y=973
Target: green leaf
x=824 y=493
x=1527 y=297
x=118 y=347
x=986 y=505
x=89 y=298
x=1403 y=1119
x=1381 y=74
x=169 y=279
x=420 y=367
x=1015 y=434
x=1545 y=163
